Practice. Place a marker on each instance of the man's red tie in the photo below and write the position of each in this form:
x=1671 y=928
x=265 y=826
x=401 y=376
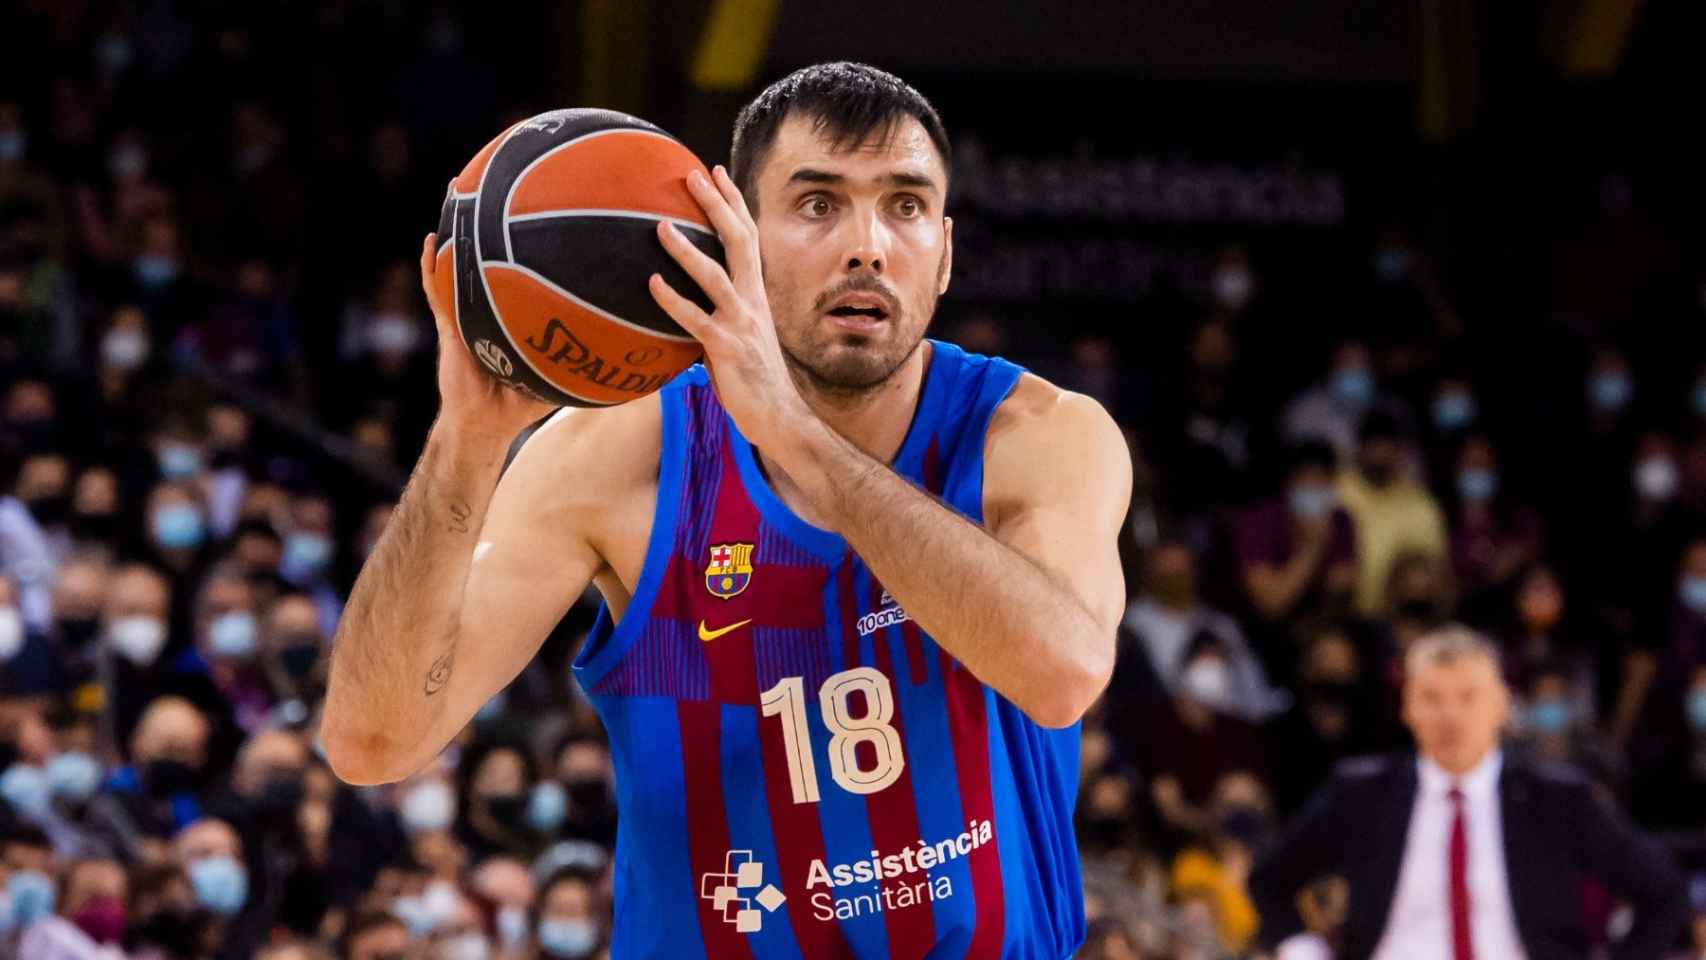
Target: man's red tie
x=1462 y=948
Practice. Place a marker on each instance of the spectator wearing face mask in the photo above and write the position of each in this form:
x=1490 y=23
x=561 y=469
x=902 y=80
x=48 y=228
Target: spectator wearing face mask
x=507 y=885
x=263 y=802
x=1159 y=628
x=1657 y=605
x=1541 y=638
x=566 y=924
x=89 y=918
x=1667 y=749
x=128 y=367
x=1553 y=728
x=1184 y=746
x=1392 y=514
x=227 y=646
x=387 y=356
x=1341 y=712
x=581 y=768
x=177 y=543
x=309 y=558
x=1203 y=432
x=292 y=656
x=28 y=869
x=43 y=487
x=1331 y=410
x=156 y=794
x=1493 y=536
x=211 y=855
x=249 y=335
x=63 y=661
x=494 y=782
x=1297 y=552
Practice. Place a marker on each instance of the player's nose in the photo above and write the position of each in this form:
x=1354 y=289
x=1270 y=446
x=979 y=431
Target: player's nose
x=866 y=242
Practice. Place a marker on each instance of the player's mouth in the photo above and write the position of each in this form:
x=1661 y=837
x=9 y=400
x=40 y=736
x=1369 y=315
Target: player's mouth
x=859 y=312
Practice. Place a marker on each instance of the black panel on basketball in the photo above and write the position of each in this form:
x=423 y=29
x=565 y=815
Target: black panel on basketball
x=597 y=257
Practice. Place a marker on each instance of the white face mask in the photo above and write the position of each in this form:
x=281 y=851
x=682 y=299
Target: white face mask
x=1233 y=287
x=429 y=806
x=1656 y=478
x=466 y=946
x=124 y=348
x=137 y=639
x=11 y=633
x=393 y=333
x=1209 y=681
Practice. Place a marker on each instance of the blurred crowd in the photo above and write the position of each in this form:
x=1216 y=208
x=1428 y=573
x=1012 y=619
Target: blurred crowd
x=207 y=399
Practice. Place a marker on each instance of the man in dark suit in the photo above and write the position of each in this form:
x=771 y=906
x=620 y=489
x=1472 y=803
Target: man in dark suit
x=1463 y=853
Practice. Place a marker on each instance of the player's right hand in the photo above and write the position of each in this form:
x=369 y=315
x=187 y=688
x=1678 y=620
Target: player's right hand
x=471 y=400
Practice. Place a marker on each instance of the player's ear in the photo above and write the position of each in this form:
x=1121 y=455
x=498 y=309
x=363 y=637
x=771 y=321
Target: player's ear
x=946 y=270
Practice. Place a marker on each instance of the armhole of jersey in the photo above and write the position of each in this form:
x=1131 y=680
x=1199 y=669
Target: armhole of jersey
x=607 y=642
x=998 y=384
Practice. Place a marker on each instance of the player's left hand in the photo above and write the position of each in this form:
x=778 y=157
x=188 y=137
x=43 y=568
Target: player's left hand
x=741 y=350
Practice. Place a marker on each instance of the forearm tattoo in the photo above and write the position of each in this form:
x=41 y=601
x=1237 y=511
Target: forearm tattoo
x=460 y=514
x=439 y=673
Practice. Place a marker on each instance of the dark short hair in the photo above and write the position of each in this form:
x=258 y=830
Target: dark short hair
x=364 y=922
x=849 y=101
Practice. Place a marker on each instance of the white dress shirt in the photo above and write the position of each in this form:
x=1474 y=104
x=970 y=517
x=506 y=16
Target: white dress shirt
x=1419 y=926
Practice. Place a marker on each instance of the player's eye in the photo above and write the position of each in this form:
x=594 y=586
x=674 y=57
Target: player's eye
x=816 y=205
x=909 y=206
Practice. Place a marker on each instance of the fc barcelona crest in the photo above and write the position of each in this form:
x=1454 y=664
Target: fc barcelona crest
x=730 y=570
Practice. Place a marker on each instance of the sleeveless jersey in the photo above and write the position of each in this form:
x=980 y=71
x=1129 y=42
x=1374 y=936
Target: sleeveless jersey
x=800 y=770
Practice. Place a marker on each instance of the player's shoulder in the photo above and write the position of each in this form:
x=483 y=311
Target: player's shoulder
x=607 y=447
x=1037 y=408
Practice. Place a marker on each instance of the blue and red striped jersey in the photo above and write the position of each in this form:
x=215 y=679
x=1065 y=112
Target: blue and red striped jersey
x=800 y=770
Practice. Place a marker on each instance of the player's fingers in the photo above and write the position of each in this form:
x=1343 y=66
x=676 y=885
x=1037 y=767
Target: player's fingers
x=429 y=269
x=708 y=273
x=739 y=244
x=682 y=310
x=731 y=193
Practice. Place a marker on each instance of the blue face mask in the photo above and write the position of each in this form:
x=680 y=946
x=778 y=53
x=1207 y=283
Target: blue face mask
x=178 y=461
x=1549 y=716
x=1353 y=386
x=221 y=884
x=1693 y=593
x=25 y=787
x=155 y=272
x=178 y=527
x=1697 y=708
x=1311 y=502
x=74 y=775
x=11 y=146
x=1610 y=391
x=232 y=634
x=567 y=938
x=1454 y=410
x=305 y=555
x=32 y=896
x=547 y=806
x=1477 y=484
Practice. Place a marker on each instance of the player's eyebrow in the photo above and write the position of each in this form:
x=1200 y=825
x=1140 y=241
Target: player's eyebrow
x=899 y=178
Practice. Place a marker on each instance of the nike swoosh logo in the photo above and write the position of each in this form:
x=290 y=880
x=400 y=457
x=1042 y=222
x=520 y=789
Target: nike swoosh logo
x=708 y=635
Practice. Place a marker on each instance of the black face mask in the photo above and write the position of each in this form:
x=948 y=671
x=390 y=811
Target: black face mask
x=506 y=809
x=1420 y=608
x=172 y=928
x=1332 y=693
x=165 y=777
x=279 y=798
x=76 y=632
x=94 y=526
x=299 y=660
x=50 y=511
x=589 y=799
x=1102 y=832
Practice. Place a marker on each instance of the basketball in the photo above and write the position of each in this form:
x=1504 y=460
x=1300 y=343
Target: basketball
x=546 y=240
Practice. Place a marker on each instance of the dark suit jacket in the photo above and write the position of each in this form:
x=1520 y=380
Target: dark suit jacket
x=1555 y=833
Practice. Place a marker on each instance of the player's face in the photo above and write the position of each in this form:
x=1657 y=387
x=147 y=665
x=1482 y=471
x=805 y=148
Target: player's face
x=855 y=249
x=1455 y=710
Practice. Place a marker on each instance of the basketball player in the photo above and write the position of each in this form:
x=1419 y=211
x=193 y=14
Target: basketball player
x=859 y=586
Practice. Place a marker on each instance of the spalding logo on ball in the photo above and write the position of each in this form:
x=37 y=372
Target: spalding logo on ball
x=546 y=240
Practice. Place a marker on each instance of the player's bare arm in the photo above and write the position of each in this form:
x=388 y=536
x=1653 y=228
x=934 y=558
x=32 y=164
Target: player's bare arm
x=413 y=659
x=1030 y=605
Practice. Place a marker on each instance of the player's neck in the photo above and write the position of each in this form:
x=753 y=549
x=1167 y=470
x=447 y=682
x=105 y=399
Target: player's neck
x=875 y=420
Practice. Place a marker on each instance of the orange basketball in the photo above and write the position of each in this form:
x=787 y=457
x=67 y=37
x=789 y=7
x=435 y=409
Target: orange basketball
x=546 y=241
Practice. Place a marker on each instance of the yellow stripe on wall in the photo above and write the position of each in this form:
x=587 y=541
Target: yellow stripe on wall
x=731 y=49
